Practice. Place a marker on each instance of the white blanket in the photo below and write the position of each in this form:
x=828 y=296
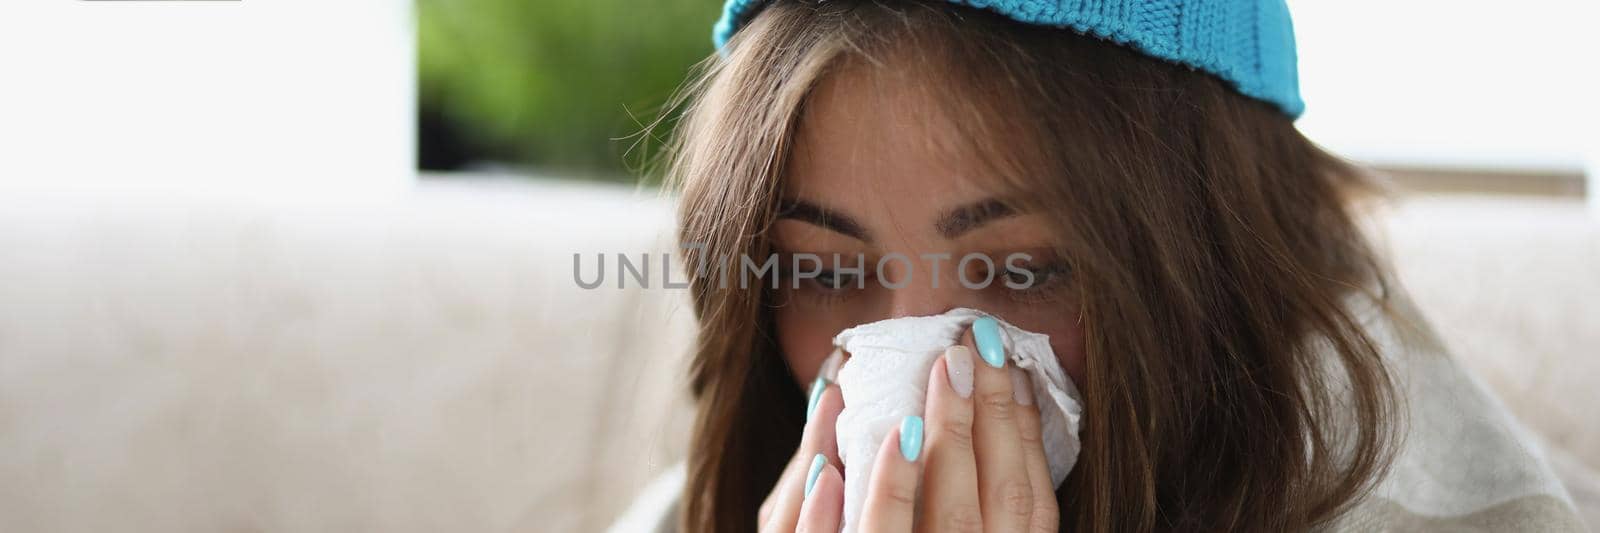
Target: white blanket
x=1465 y=464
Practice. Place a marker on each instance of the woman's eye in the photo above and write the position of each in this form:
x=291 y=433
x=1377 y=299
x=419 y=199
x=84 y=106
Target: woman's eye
x=831 y=280
x=829 y=287
x=1028 y=276
x=1024 y=278
x=1036 y=282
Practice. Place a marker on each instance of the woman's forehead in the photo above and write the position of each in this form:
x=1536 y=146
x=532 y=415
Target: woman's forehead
x=876 y=132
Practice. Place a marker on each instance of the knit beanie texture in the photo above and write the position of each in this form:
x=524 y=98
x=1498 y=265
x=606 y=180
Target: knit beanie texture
x=1248 y=43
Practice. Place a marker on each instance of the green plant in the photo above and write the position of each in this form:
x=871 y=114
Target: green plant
x=557 y=84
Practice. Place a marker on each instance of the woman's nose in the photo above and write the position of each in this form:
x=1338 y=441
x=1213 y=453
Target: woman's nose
x=922 y=299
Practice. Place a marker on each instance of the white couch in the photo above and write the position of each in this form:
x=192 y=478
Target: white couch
x=429 y=364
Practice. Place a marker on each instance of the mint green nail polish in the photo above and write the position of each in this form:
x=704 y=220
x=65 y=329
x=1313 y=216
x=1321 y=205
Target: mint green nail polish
x=817 y=387
x=816 y=471
x=986 y=333
x=911 y=437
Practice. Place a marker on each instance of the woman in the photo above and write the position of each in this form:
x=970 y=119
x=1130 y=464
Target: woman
x=1194 y=259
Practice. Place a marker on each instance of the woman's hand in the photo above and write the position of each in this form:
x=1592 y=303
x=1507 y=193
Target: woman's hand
x=983 y=467
x=810 y=485
x=978 y=458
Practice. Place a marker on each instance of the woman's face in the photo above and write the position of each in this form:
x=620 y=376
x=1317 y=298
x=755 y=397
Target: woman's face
x=865 y=179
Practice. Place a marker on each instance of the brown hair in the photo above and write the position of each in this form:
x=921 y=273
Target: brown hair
x=1211 y=244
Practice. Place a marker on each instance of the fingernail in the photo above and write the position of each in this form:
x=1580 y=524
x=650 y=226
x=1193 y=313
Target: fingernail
x=911 y=438
x=830 y=366
x=986 y=332
x=1021 y=386
x=817 y=387
x=816 y=471
x=958 y=364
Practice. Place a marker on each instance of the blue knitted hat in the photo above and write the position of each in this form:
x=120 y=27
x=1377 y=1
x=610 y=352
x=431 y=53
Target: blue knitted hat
x=1249 y=43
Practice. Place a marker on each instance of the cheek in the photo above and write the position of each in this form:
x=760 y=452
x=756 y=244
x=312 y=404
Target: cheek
x=1069 y=350
x=1066 y=337
x=806 y=339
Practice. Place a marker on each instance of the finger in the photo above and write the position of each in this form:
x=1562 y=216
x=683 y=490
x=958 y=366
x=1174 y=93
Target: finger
x=817 y=438
x=795 y=467
x=784 y=480
x=824 y=502
x=1004 y=494
x=892 y=490
x=950 y=473
x=1045 y=514
x=801 y=459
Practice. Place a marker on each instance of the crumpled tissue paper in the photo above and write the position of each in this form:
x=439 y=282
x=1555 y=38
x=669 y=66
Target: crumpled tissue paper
x=886 y=379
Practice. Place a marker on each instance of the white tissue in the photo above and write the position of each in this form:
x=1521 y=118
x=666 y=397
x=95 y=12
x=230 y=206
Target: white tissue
x=886 y=379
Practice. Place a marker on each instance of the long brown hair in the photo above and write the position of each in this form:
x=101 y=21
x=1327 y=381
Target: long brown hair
x=1211 y=243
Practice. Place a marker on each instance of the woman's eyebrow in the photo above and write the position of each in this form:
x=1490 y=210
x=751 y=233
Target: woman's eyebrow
x=821 y=216
x=968 y=217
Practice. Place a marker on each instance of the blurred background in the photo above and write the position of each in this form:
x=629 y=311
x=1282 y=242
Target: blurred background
x=295 y=265
x=565 y=86
x=1447 y=96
